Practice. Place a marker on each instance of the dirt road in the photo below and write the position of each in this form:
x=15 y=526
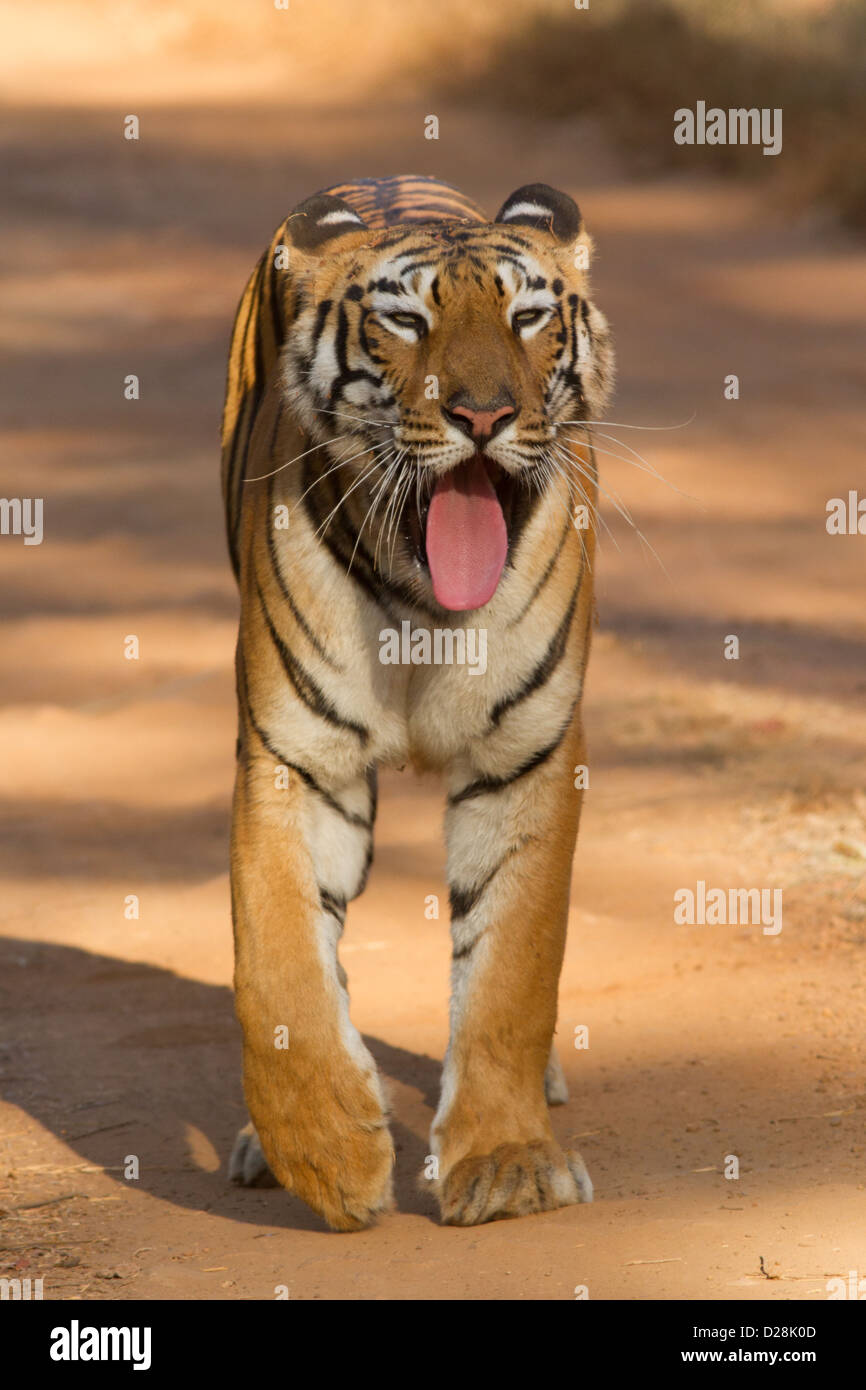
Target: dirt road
x=705 y=1042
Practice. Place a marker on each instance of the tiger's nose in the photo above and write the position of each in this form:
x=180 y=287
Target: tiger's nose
x=480 y=423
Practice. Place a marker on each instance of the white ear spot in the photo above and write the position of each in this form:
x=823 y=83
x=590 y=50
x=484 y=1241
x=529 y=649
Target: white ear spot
x=331 y=219
x=527 y=210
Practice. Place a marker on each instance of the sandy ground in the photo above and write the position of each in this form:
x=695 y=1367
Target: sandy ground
x=119 y=1037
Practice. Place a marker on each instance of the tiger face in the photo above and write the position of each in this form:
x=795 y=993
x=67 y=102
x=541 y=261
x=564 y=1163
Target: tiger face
x=443 y=369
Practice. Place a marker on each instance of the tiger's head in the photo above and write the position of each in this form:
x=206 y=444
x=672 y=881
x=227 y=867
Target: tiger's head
x=444 y=365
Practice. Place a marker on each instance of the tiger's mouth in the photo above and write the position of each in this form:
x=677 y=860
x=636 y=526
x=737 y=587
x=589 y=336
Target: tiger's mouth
x=461 y=532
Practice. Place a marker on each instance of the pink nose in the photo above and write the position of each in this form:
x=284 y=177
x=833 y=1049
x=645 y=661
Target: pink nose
x=482 y=422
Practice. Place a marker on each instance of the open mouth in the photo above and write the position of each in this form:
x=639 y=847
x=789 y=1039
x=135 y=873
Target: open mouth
x=462 y=532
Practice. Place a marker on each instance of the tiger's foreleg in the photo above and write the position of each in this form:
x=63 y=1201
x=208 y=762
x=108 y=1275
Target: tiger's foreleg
x=509 y=851
x=299 y=851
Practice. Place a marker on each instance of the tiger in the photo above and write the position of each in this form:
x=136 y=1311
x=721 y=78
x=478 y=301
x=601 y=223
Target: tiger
x=407 y=447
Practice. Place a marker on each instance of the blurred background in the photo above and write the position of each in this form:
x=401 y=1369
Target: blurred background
x=625 y=60
x=123 y=257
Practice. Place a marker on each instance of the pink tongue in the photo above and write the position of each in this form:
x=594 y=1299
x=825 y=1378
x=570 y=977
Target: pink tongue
x=467 y=541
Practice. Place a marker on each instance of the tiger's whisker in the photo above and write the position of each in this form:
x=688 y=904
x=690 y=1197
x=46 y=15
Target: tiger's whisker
x=363 y=419
x=320 y=530
x=340 y=463
x=296 y=459
x=644 y=466
x=624 y=513
x=620 y=425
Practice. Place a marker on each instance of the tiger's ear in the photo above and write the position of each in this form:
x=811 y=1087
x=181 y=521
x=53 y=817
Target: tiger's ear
x=322 y=219
x=545 y=208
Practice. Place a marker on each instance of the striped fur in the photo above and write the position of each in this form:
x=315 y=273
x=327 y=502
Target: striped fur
x=333 y=442
x=268 y=302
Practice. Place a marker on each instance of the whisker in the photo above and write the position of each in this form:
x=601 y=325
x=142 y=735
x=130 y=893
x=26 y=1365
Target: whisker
x=391 y=472
x=552 y=470
x=296 y=459
x=614 y=498
x=391 y=501
x=646 y=467
x=363 y=419
x=594 y=509
x=340 y=463
x=398 y=514
x=320 y=530
x=620 y=425
x=624 y=513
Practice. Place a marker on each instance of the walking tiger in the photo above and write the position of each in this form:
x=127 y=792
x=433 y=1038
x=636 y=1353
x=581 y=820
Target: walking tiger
x=407 y=439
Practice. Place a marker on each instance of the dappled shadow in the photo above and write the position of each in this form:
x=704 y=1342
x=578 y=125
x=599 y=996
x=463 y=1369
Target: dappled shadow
x=119 y=1057
x=784 y=656
x=98 y=841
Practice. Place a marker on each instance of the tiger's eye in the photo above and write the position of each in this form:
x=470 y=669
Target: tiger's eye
x=413 y=321
x=524 y=318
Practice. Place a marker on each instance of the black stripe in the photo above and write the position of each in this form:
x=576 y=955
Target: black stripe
x=512 y=258
x=365 y=342
x=417 y=265
x=548 y=571
x=305 y=687
x=362 y=573
x=495 y=784
x=284 y=589
x=352 y=552
x=512 y=238
x=319 y=326
x=275 y=429
x=414 y=250
x=334 y=903
x=548 y=663
x=373 y=787
x=462 y=951
x=374 y=576
x=422 y=203
x=365 y=872
x=346 y=374
x=462 y=900
x=350 y=817
x=584 y=314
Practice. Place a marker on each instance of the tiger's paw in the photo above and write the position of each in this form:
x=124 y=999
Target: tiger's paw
x=248 y=1166
x=513 y=1180
x=348 y=1194
x=555 y=1084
